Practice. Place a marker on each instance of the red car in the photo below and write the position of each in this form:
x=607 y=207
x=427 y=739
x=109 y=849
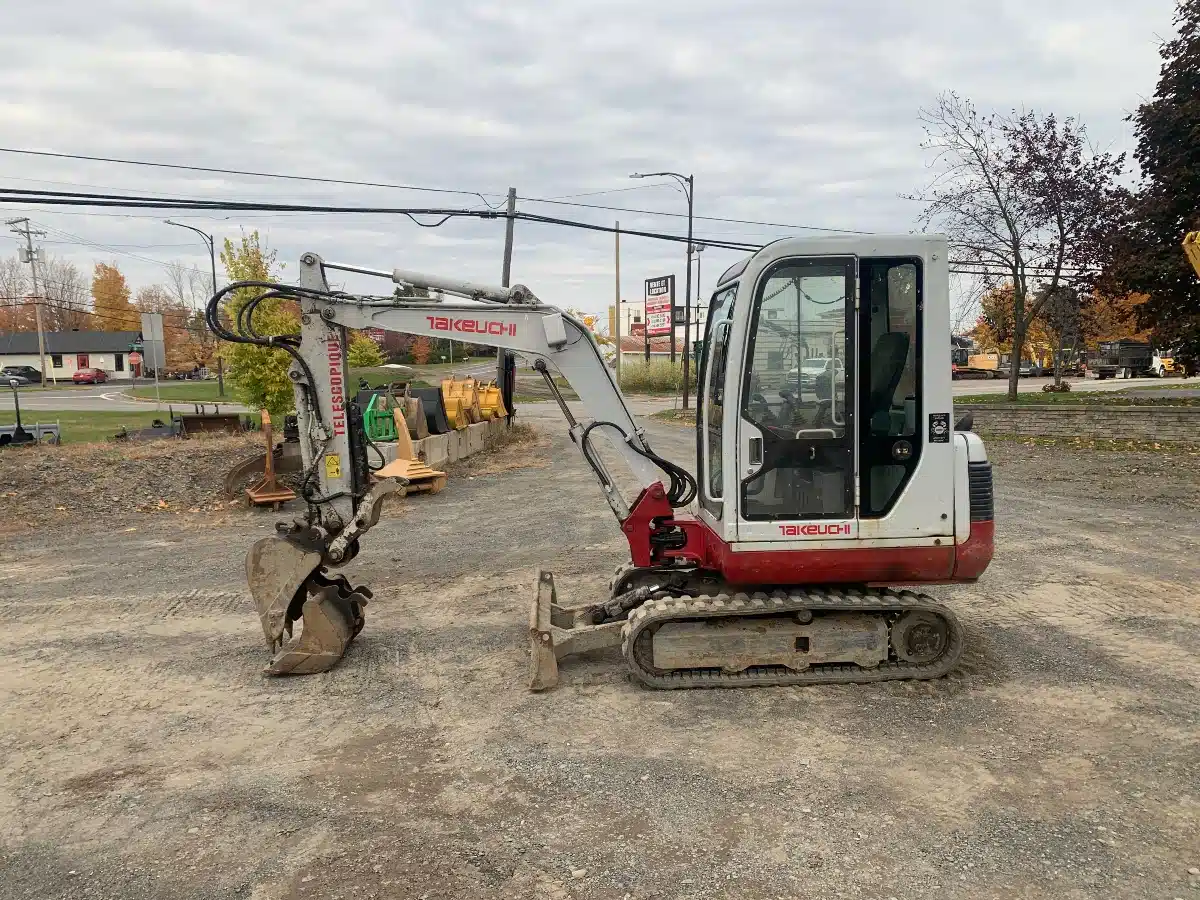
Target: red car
x=90 y=376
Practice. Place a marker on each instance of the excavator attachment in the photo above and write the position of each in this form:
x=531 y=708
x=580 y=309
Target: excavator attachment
x=288 y=584
x=276 y=570
x=288 y=581
x=556 y=631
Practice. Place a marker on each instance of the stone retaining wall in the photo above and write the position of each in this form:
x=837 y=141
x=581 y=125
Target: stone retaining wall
x=1154 y=423
x=438 y=450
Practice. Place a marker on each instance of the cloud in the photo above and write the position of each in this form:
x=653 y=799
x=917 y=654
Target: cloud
x=785 y=112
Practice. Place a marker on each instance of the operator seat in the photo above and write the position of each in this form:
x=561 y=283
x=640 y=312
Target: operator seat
x=888 y=357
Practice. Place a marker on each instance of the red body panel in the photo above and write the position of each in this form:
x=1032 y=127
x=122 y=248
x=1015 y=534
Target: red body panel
x=652 y=515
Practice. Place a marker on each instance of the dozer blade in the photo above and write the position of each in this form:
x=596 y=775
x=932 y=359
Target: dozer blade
x=276 y=570
x=556 y=631
x=331 y=620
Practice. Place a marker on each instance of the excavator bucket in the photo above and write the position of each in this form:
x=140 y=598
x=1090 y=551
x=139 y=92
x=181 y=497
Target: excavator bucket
x=491 y=403
x=331 y=621
x=287 y=583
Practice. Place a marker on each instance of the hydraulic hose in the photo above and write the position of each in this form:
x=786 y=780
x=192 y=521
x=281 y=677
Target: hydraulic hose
x=682 y=488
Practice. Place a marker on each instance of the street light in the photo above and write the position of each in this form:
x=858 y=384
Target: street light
x=687 y=182
x=208 y=239
x=212 y=261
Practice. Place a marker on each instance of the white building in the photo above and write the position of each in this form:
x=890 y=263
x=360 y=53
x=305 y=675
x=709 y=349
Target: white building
x=69 y=351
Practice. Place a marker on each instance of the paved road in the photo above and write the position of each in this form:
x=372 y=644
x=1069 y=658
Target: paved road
x=112 y=398
x=105 y=398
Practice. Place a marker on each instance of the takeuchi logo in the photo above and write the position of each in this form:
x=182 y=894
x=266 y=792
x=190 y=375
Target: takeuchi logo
x=471 y=326
x=814 y=530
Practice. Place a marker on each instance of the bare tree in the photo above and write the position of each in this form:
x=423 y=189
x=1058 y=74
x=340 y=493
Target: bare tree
x=189 y=285
x=1023 y=199
x=14 y=278
x=68 y=295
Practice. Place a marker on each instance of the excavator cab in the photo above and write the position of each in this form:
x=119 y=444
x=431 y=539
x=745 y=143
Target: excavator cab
x=825 y=410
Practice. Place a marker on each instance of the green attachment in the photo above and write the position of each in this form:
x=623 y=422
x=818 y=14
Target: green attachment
x=379 y=423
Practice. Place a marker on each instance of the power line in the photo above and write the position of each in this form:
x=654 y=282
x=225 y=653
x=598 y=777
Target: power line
x=129 y=201
x=563 y=201
x=252 y=174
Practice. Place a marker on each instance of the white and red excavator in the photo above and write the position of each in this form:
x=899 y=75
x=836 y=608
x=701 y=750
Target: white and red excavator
x=828 y=471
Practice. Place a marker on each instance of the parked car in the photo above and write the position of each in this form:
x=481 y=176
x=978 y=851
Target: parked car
x=90 y=376
x=818 y=371
x=29 y=373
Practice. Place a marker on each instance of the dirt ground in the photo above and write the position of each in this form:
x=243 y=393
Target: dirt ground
x=143 y=755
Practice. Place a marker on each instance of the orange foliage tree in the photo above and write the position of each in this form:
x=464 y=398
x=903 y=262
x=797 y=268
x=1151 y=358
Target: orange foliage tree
x=189 y=343
x=422 y=348
x=110 y=299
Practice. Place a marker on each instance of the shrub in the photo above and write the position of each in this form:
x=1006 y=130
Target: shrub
x=659 y=376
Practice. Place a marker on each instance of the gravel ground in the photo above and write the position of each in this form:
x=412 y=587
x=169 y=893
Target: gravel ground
x=142 y=754
x=112 y=483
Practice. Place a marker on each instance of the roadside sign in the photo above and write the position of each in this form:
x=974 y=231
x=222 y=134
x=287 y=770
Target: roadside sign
x=135 y=358
x=660 y=300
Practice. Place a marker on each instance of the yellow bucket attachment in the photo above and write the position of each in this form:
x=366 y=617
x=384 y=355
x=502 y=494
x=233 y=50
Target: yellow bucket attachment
x=491 y=403
x=465 y=391
x=456 y=416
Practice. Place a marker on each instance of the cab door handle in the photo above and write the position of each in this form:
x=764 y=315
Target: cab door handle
x=756 y=451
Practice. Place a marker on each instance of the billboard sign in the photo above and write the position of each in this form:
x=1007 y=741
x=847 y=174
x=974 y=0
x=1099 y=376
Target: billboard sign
x=660 y=301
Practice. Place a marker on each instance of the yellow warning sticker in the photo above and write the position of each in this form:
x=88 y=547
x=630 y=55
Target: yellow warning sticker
x=333 y=466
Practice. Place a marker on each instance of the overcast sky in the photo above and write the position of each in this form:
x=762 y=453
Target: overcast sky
x=800 y=112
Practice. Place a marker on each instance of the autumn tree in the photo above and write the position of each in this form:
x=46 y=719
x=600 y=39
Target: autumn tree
x=422 y=349
x=1023 y=200
x=364 y=353
x=110 y=300
x=1061 y=316
x=188 y=341
x=68 y=297
x=62 y=292
x=259 y=375
x=1147 y=259
x=1111 y=317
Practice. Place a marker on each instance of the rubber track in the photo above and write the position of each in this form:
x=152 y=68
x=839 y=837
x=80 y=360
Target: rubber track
x=869 y=600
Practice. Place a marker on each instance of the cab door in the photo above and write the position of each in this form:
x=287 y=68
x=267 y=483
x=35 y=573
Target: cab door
x=797 y=444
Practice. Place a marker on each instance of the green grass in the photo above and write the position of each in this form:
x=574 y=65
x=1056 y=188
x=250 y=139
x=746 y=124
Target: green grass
x=198 y=391
x=79 y=427
x=1076 y=398
x=1189 y=385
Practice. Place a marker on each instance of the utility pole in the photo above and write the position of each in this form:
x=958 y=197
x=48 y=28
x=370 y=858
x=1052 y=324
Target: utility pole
x=24 y=230
x=617 y=299
x=506 y=281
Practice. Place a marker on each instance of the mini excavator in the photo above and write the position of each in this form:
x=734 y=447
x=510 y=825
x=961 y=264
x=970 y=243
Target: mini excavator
x=828 y=473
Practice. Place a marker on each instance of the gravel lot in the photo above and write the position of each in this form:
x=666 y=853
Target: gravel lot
x=142 y=754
